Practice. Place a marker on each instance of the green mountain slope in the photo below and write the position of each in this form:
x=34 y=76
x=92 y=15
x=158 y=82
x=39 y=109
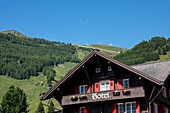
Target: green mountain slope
x=24 y=57
x=145 y=51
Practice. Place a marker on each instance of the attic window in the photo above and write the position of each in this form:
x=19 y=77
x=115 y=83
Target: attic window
x=98 y=70
x=109 y=68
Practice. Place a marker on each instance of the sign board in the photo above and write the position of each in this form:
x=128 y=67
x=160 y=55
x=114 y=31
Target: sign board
x=98 y=96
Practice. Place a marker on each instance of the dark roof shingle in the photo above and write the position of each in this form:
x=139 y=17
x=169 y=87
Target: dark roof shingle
x=159 y=70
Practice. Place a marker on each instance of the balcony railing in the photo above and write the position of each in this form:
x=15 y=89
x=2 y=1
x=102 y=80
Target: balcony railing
x=135 y=92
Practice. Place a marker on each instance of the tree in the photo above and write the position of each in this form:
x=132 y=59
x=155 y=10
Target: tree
x=51 y=109
x=40 y=108
x=14 y=101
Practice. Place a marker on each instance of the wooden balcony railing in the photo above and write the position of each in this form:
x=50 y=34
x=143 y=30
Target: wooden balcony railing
x=103 y=96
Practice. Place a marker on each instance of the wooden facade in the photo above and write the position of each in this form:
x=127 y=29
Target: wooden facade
x=100 y=84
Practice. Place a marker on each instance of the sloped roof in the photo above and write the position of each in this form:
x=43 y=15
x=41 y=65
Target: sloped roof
x=159 y=70
x=71 y=73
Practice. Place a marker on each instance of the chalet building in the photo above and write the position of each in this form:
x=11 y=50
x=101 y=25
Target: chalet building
x=100 y=84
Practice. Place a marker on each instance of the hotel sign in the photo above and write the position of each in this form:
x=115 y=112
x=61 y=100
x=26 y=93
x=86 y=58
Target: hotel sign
x=98 y=96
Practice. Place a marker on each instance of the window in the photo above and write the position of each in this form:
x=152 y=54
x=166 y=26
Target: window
x=81 y=109
x=125 y=83
x=130 y=107
x=166 y=110
x=155 y=108
x=109 y=68
x=120 y=108
x=97 y=70
x=82 y=89
x=164 y=92
x=104 y=86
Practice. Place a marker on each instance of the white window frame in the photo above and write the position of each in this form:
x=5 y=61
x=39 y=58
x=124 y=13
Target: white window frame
x=164 y=91
x=118 y=104
x=130 y=106
x=105 y=86
x=98 y=70
x=166 y=110
x=82 y=108
x=155 y=108
x=83 y=89
x=124 y=83
x=109 y=68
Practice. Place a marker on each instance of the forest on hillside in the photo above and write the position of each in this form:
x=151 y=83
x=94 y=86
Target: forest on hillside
x=145 y=51
x=22 y=57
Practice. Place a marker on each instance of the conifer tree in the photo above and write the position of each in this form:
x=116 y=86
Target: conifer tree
x=14 y=101
x=40 y=108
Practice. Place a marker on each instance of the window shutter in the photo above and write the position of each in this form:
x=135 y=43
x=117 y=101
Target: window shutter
x=76 y=89
x=119 y=84
x=111 y=83
x=114 y=108
x=88 y=88
x=86 y=109
x=153 y=109
x=130 y=83
x=167 y=94
x=97 y=87
x=161 y=108
x=138 y=106
x=163 y=92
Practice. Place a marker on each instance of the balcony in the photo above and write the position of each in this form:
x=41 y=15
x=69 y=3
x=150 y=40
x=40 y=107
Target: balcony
x=135 y=92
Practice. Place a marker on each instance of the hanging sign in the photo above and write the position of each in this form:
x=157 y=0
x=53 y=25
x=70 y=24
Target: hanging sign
x=97 y=96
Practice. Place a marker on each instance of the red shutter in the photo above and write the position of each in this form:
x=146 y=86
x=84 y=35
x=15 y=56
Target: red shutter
x=88 y=88
x=161 y=108
x=153 y=109
x=119 y=84
x=130 y=83
x=138 y=106
x=111 y=83
x=167 y=93
x=76 y=89
x=168 y=110
x=114 y=108
x=86 y=109
x=97 y=87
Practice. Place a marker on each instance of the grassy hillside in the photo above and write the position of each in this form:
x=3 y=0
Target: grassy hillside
x=107 y=47
x=35 y=86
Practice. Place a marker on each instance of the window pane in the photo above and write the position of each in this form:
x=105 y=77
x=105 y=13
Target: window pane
x=81 y=90
x=125 y=84
x=165 y=92
x=120 y=108
x=85 y=89
x=82 y=110
x=166 y=110
x=102 y=87
x=107 y=86
x=155 y=108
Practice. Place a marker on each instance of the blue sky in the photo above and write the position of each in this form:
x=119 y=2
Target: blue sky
x=122 y=23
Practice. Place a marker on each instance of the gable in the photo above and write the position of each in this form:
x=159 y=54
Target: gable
x=88 y=59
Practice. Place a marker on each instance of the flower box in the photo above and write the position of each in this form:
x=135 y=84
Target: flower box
x=74 y=98
x=126 y=91
x=116 y=93
x=83 y=97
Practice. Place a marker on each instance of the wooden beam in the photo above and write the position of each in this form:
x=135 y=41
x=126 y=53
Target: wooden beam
x=151 y=93
x=87 y=74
